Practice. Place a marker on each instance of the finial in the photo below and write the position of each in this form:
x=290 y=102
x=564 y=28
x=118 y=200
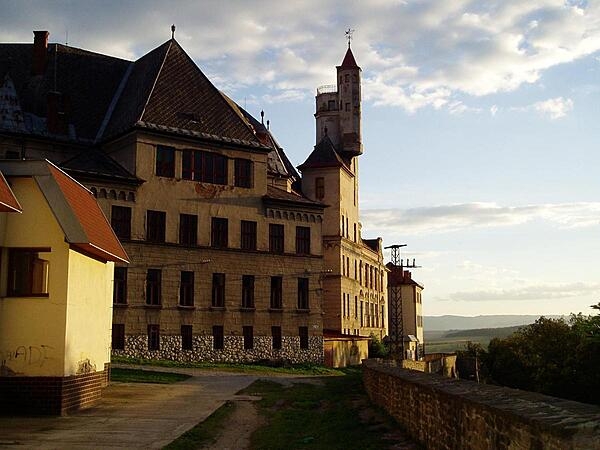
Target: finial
x=325 y=131
x=349 y=33
x=262 y=117
x=173 y=31
x=268 y=123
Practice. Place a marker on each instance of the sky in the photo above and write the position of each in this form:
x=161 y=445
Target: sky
x=480 y=122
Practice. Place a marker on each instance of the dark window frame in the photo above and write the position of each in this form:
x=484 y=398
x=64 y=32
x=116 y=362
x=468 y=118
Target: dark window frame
x=248 y=282
x=120 y=286
x=276 y=298
x=188 y=229
x=118 y=336
x=156 y=225
x=27 y=272
x=276 y=238
x=205 y=167
x=218 y=337
x=243 y=173
x=319 y=188
x=153 y=287
x=153 y=337
x=120 y=221
x=276 y=337
x=248 y=235
x=303 y=294
x=165 y=161
x=218 y=290
x=186 y=288
x=303 y=240
x=187 y=337
x=219 y=232
x=303 y=334
x=248 y=333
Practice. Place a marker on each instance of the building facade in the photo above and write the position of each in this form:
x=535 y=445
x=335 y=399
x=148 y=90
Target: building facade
x=355 y=287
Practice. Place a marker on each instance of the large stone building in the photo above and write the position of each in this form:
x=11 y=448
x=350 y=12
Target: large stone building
x=234 y=257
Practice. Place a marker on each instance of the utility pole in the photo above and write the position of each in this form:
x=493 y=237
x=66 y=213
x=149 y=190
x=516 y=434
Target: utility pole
x=395 y=301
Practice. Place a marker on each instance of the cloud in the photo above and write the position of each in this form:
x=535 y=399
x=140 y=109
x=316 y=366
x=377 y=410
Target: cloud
x=456 y=217
x=555 y=291
x=555 y=108
x=415 y=53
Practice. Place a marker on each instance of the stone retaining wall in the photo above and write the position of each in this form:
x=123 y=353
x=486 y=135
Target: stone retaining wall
x=234 y=352
x=442 y=413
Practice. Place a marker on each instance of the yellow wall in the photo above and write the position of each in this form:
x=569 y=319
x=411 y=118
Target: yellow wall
x=345 y=352
x=89 y=314
x=32 y=330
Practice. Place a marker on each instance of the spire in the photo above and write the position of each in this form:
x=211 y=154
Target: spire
x=349 y=60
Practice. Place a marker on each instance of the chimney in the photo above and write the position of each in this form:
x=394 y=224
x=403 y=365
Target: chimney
x=40 y=52
x=407 y=275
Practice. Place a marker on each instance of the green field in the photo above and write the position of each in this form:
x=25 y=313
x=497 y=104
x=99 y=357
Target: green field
x=453 y=340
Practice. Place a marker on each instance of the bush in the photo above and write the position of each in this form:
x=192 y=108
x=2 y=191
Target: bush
x=377 y=349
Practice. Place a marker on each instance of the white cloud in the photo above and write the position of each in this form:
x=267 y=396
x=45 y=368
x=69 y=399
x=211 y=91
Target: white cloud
x=550 y=291
x=555 y=108
x=451 y=218
x=415 y=53
x=493 y=110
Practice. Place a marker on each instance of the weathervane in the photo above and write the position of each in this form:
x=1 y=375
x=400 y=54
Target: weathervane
x=349 y=33
x=173 y=31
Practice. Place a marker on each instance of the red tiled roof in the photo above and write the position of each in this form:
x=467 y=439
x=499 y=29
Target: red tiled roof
x=8 y=201
x=101 y=241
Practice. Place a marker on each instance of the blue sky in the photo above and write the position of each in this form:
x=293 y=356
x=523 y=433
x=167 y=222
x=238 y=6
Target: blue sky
x=480 y=122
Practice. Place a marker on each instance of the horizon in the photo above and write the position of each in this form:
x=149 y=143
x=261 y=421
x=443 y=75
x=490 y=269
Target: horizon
x=479 y=123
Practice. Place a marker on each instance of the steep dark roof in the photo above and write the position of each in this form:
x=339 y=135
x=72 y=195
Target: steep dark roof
x=323 y=155
x=87 y=80
x=349 y=61
x=167 y=88
x=95 y=163
x=373 y=244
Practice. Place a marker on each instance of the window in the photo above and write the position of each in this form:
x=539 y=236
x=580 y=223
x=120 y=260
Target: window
x=165 y=161
x=153 y=278
x=356 y=307
x=120 y=220
x=120 y=286
x=219 y=236
x=218 y=290
x=302 y=293
x=276 y=337
x=186 y=289
x=155 y=226
x=248 y=235
x=319 y=188
x=186 y=337
x=243 y=173
x=118 y=336
x=188 y=229
x=27 y=272
x=218 y=338
x=303 y=240
x=247 y=291
x=355 y=233
x=248 y=338
x=276 y=293
x=153 y=337
x=204 y=166
x=303 y=333
x=276 y=238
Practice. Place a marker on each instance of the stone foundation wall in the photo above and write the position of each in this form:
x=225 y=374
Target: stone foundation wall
x=233 y=351
x=51 y=395
x=442 y=413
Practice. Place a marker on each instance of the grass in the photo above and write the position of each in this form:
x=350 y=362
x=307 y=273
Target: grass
x=145 y=376
x=335 y=415
x=299 y=369
x=205 y=432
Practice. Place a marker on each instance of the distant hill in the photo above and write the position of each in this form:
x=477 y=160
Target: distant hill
x=453 y=340
x=444 y=323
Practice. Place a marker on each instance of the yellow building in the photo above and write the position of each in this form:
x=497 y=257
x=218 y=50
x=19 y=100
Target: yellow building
x=57 y=254
x=355 y=287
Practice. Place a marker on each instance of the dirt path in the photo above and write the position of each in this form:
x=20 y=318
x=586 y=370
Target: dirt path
x=240 y=425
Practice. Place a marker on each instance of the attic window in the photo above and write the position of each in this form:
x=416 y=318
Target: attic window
x=27 y=273
x=165 y=161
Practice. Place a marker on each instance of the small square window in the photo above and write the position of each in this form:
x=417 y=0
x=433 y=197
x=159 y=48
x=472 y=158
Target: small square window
x=27 y=273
